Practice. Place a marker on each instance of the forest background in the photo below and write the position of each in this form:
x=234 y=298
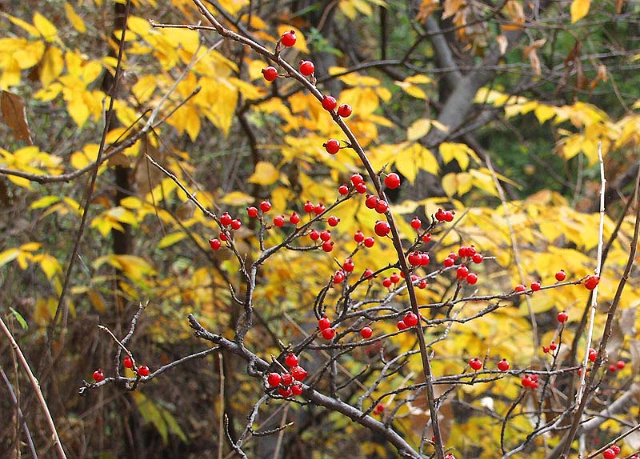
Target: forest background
x=122 y=151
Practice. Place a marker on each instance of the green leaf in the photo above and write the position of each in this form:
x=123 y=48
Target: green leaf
x=19 y=318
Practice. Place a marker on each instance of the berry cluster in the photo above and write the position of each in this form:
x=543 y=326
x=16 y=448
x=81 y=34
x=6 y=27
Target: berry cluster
x=289 y=382
x=530 y=381
x=409 y=320
x=142 y=370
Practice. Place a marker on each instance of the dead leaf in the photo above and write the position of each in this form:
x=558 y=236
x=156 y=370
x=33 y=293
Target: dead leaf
x=15 y=116
x=534 y=60
x=619 y=6
x=503 y=42
x=601 y=76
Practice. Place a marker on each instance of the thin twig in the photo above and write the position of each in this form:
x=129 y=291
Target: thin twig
x=14 y=399
x=36 y=388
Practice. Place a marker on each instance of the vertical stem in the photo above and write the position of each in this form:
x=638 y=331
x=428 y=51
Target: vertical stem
x=36 y=388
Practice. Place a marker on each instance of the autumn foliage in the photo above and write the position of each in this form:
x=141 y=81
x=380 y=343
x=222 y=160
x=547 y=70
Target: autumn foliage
x=364 y=227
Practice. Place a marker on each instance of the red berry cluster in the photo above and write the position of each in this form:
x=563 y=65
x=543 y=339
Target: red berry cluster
x=612 y=452
x=379 y=409
x=127 y=362
x=324 y=324
x=409 y=320
x=530 y=381
x=444 y=215
x=288 y=383
x=466 y=255
x=550 y=348
x=475 y=364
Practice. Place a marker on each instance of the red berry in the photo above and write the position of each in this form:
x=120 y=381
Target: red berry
x=285 y=391
x=274 y=379
x=462 y=272
x=366 y=332
x=328 y=333
x=296 y=389
x=615 y=448
x=318 y=209
x=324 y=323
x=561 y=275
x=328 y=103
x=416 y=223
x=343 y=190
x=477 y=258
x=128 y=363
x=526 y=381
x=356 y=178
x=308 y=207
x=224 y=236
x=392 y=181
x=414 y=258
x=295 y=218
x=472 y=278
x=236 y=224
x=298 y=373
x=448 y=262
x=608 y=454
x=379 y=409
x=448 y=216
x=327 y=246
x=535 y=286
x=338 y=277
x=620 y=364
x=401 y=325
x=225 y=219
x=593 y=354
x=440 y=215
x=381 y=228
x=553 y=346
x=291 y=360
x=358 y=236
x=371 y=201
x=475 y=363
x=545 y=349
x=369 y=242
x=265 y=206
x=332 y=146
x=348 y=265
x=386 y=282
x=143 y=370
x=591 y=282
x=98 y=375
x=381 y=206
x=410 y=319
x=395 y=278
x=503 y=365
x=325 y=235
x=344 y=110
x=520 y=288
x=612 y=368
x=270 y=73
x=306 y=67
x=314 y=235
x=288 y=38
x=367 y=274
x=252 y=212
x=562 y=317
x=287 y=379
x=215 y=244
x=333 y=221
x=426 y=237
x=278 y=220
x=361 y=188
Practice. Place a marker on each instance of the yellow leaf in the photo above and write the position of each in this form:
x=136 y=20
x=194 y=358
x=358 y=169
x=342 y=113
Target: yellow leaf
x=301 y=42
x=418 y=129
x=96 y=300
x=579 y=9
x=418 y=79
x=45 y=27
x=544 y=113
x=49 y=264
x=237 y=198
x=45 y=201
x=75 y=20
x=412 y=159
x=23 y=24
x=51 y=66
x=131 y=202
x=265 y=174
x=8 y=256
x=170 y=239
x=76 y=105
x=412 y=90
